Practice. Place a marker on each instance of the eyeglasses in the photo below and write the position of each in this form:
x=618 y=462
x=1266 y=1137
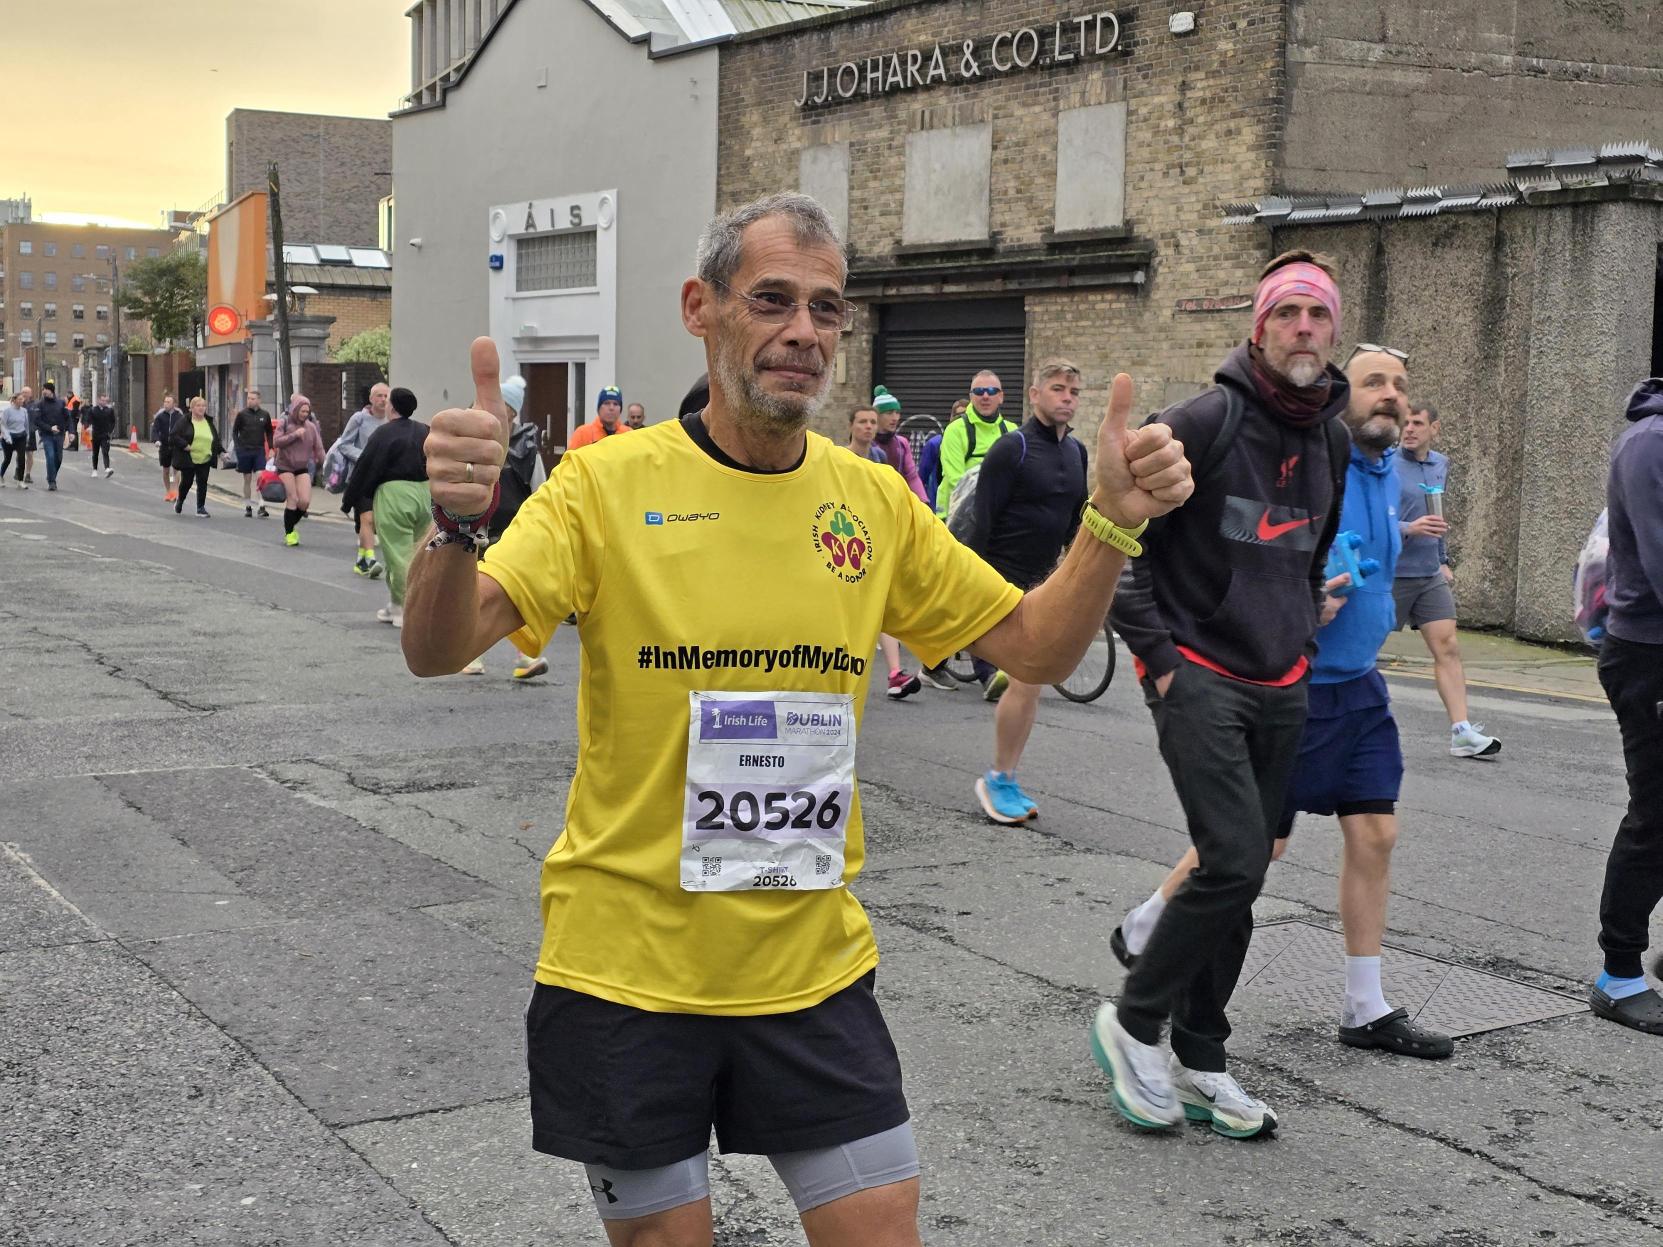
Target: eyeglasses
x=1374 y=348
x=773 y=308
x=986 y=391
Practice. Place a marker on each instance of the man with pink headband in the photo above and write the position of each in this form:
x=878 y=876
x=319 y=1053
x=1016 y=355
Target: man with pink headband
x=1220 y=614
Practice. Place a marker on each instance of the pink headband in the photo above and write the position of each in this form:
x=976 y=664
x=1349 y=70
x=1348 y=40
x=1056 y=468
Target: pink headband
x=1299 y=277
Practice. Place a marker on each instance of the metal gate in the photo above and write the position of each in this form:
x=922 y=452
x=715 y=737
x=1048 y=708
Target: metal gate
x=926 y=353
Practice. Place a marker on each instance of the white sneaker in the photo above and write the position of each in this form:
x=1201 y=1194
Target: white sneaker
x=384 y=614
x=1142 y=1088
x=95 y=471
x=398 y=616
x=109 y=472
x=476 y=667
x=1219 y=1099
x=1471 y=742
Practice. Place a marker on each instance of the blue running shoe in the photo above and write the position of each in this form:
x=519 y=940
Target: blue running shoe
x=1004 y=800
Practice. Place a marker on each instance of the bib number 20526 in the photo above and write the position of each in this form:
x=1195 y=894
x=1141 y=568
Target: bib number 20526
x=770 y=785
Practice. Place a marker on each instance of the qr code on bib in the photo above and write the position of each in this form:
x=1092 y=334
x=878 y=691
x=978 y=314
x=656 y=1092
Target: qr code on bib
x=712 y=866
x=822 y=863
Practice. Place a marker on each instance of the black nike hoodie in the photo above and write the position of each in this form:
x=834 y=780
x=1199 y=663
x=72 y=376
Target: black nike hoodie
x=1235 y=575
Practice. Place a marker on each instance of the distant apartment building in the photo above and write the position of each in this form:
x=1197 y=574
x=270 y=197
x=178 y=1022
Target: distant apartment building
x=55 y=283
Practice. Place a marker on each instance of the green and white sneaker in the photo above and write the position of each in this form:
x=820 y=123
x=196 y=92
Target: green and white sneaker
x=1142 y=1090
x=1219 y=1100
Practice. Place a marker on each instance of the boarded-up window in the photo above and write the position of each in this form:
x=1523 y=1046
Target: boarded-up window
x=823 y=172
x=947 y=185
x=1091 y=167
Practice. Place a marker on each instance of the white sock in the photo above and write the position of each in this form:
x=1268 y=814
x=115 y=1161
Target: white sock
x=1140 y=923
x=1364 y=1001
x=1455 y=729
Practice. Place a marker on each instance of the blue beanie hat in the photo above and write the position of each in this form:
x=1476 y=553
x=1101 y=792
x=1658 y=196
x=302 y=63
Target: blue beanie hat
x=610 y=394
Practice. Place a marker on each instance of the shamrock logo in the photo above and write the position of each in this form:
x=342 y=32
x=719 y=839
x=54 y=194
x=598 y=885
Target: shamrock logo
x=845 y=540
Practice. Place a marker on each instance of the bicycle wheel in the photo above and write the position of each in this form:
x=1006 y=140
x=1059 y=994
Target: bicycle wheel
x=961 y=668
x=1091 y=679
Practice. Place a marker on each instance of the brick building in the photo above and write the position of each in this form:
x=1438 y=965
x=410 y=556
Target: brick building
x=56 y=314
x=335 y=170
x=1020 y=178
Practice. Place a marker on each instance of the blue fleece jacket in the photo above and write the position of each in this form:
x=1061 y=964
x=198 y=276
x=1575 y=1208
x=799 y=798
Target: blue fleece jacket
x=1347 y=647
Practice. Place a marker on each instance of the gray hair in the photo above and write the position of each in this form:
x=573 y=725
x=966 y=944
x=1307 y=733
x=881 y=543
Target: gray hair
x=721 y=246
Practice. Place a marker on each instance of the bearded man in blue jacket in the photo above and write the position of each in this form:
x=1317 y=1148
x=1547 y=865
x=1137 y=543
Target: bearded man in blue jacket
x=1350 y=761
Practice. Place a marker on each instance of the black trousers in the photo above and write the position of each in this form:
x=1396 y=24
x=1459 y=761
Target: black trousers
x=1230 y=748
x=188 y=472
x=1632 y=674
x=100 y=445
x=15 y=444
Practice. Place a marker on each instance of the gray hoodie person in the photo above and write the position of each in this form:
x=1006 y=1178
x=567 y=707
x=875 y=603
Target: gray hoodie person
x=1634 y=496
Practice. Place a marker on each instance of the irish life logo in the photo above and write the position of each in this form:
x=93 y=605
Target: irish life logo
x=842 y=541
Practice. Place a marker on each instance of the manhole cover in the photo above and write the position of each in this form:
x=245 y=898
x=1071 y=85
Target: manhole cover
x=1302 y=967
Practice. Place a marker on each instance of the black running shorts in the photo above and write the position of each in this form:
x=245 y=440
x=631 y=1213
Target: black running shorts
x=630 y=1089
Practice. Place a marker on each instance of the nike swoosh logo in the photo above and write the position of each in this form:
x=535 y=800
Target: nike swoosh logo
x=1270 y=532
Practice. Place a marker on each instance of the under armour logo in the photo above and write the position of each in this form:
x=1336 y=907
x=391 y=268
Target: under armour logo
x=605 y=1188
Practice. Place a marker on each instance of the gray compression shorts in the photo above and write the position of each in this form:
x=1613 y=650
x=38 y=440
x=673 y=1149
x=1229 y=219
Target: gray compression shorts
x=813 y=1177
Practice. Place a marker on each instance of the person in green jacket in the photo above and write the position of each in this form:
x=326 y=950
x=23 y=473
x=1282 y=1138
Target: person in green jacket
x=967 y=439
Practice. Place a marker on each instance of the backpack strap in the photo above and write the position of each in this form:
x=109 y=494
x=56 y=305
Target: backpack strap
x=1219 y=449
x=970 y=436
x=1339 y=455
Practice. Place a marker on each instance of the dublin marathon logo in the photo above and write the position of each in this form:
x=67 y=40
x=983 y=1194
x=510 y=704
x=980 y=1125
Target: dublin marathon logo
x=842 y=540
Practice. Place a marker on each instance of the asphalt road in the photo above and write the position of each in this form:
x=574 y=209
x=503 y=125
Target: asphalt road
x=268 y=914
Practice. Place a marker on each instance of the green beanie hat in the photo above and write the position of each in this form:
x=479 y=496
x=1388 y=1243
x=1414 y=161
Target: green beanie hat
x=883 y=400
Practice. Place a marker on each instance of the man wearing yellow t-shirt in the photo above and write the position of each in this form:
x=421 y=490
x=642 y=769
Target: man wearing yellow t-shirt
x=704 y=962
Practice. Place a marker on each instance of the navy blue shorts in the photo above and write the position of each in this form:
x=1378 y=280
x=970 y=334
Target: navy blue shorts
x=1350 y=761
x=251 y=460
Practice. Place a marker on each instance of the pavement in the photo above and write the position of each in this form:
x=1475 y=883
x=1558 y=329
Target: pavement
x=268 y=914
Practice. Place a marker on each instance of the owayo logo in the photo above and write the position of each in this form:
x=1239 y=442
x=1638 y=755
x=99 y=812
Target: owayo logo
x=843 y=541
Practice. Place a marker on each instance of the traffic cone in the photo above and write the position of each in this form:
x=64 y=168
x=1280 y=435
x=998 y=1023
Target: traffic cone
x=133 y=439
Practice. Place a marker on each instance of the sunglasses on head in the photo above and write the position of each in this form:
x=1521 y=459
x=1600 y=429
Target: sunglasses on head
x=1374 y=348
x=986 y=391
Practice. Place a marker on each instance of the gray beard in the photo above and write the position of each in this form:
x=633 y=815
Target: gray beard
x=754 y=409
x=1377 y=434
x=1304 y=373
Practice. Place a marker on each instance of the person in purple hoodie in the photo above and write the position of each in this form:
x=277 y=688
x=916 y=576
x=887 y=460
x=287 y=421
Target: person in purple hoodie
x=897 y=450
x=1631 y=669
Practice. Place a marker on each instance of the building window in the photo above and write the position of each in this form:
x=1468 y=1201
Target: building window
x=51 y=248
x=78 y=311
x=50 y=337
x=77 y=283
x=132 y=253
x=103 y=339
x=26 y=337
x=78 y=251
x=151 y=253
x=555 y=261
x=78 y=341
x=25 y=247
x=51 y=280
x=27 y=309
x=103 y=312
x=51 y=311
x=25 y=281
x=946 y=191
x=102 y=251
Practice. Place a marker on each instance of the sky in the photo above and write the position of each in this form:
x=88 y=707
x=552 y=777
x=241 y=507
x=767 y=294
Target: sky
x=137 y=124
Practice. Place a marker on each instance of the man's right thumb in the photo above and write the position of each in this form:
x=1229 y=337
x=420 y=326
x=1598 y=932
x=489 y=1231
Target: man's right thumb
x=1120 y=402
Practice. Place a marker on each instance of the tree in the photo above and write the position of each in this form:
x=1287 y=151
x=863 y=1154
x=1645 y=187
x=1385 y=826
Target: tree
x=169 y=291
x=373 y=346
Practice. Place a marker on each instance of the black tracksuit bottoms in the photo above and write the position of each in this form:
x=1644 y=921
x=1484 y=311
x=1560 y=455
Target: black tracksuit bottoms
x=1230 y=748
x=1632 y=674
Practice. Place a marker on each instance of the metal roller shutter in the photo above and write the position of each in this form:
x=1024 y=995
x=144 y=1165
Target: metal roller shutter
x=926 y=354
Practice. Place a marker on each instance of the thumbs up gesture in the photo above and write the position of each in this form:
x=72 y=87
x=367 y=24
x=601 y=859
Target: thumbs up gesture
x=1141 y=473
x=466 y=446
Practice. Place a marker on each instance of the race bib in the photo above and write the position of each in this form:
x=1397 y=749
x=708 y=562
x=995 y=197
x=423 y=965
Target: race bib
x=770 y=782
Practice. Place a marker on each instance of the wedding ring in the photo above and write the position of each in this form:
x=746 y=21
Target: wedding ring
x=467 y=473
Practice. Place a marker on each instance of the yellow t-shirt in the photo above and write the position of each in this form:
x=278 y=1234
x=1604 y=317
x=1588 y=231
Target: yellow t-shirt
x=202 y=442
x=691 y=576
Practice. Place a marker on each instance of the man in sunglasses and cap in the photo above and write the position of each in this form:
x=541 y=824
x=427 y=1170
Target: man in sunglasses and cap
x=1221 y=615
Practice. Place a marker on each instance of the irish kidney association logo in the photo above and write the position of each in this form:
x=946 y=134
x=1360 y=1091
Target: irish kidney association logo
x=842 y=541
